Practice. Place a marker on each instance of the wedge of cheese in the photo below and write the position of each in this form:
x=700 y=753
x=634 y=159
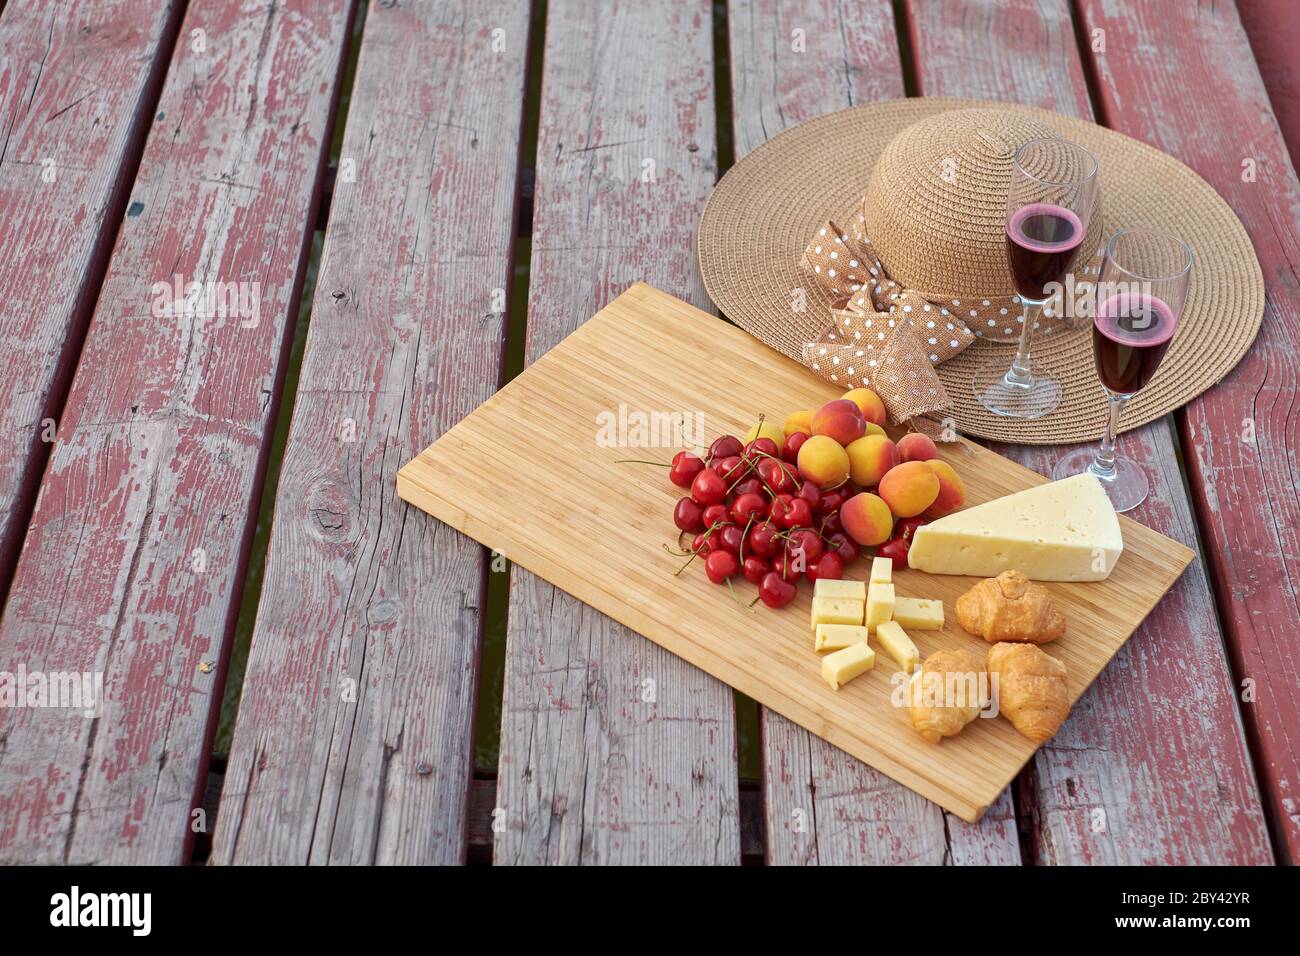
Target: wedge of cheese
x=1062 y=531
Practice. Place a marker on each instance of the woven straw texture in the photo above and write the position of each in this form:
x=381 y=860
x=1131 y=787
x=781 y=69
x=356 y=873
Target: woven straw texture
x=756 y=225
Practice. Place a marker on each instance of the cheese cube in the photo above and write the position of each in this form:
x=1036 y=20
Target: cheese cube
x=842 y=666
x=880 y=604
x=833 y=637
x=893 y=640
x=827 y=610
x=882 y=570
x=919 y=613
x=835 y=588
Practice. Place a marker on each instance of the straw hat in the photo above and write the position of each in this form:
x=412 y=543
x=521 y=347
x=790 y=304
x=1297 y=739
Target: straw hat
x=913 y=193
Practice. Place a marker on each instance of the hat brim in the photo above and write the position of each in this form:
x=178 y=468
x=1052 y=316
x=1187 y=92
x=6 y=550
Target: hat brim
x=757 y=221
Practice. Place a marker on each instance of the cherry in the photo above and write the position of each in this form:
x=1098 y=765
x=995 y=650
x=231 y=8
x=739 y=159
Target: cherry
x=806 y=541
x=729 y=539
x=720 y=565
x=731 y=469
x=793 y=442
x=760 y=447
x=895 y=549
x=811 y=494
x=832 y=500
x=778 y=475
x=789 y=565
x=754 y=569
x=841 y=544
x=708 y=489
x=746 y=506
x=779 y=507
x=716 y=514
x=763 y=540
x=828 y=566
x=796 y=515
x=748 y=486
x=775 y=591
x=686 y=465
x=703 y=542
x=725 y=446
x=831 y=524
x=688 y=515
x=906 y=528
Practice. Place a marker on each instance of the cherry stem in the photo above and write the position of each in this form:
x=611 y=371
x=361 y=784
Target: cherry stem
x=640 y=461
x=736 y=597
x=695 y=554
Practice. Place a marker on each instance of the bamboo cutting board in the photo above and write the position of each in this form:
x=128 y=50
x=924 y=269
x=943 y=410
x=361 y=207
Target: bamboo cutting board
x=532 y=474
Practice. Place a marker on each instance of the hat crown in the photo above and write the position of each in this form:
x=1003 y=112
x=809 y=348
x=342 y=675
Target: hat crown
x=935 y=206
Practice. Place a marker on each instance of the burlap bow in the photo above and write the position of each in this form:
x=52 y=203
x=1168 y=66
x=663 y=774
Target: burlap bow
x=884 y=337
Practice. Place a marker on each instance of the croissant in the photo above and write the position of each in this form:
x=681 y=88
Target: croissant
x=940 y=707
x=1031 y=689
x=1010 y=607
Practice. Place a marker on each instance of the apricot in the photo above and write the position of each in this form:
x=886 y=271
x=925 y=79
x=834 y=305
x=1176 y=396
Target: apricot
x=915 y=446
x=867 y=519
x=869 y=404
x=952 y=493
x=874 y=429
x=909 y=488
x=840 y=420
x=800 y=421
x=823 y=461
x=869 y=458
x=766 y=430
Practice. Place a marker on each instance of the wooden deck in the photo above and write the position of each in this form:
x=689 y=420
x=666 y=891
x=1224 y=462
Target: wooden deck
x=485 y=177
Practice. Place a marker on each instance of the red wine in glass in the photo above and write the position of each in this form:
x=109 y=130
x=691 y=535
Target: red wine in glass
x=1041 y=242
x=1131 y=332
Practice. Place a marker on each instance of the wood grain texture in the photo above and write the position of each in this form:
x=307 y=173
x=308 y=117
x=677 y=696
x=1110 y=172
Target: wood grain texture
x=77 y=83
x=135 y=557
x=789 y=64
x=1124 y=781
x=1274 y=31
x=590 y=770
x=1242 y=438
x=354 y=737
x=654 y=352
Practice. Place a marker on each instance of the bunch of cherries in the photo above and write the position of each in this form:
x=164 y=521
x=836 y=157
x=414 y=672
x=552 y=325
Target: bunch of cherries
x=751 y=513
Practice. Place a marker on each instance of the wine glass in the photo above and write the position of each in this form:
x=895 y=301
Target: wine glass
x=1053 y=186
x=1139 y=299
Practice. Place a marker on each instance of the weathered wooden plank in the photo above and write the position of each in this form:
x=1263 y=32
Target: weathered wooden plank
x=613 y=750
x=354 y=737
x=135 y=557
x=822 y=806
x=1274 y=31
x=77 y=83
x=1124 y=781
x=1242 y=437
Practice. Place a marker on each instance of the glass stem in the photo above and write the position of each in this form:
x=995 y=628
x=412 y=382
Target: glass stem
x=1103 y=466
x=1019 y=373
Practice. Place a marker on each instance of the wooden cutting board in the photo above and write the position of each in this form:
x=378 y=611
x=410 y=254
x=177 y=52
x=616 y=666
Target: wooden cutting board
x=532 y=473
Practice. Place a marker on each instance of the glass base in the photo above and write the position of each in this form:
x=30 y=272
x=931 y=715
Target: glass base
x=1002 y=393
x=1126 y=488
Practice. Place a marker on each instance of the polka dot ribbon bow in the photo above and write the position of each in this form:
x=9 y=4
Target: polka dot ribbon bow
x=884 y=337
